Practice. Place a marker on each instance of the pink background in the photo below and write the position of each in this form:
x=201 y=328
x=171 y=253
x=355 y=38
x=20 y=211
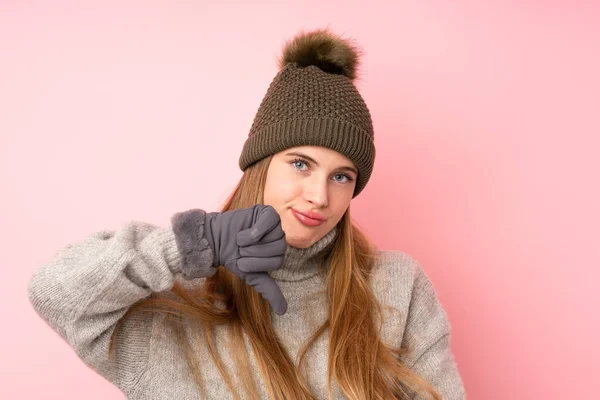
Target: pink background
x=486 y=117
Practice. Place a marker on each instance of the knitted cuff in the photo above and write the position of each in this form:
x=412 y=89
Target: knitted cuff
x=197 y=256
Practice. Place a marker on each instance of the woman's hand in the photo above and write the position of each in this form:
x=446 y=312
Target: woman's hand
x=249 y=242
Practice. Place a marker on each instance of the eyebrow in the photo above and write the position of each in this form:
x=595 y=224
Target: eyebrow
x=312 y=160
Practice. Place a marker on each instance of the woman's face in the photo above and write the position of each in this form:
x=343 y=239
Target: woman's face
x=313 y=180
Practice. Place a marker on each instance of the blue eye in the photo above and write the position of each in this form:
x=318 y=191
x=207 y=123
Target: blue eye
x=348 y=178
x=298 y=162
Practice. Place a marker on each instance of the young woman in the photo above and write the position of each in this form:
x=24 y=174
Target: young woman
x=279 y=295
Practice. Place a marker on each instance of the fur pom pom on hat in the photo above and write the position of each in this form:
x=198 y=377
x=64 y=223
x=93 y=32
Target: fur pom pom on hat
x=312 y=101
x=324 y=50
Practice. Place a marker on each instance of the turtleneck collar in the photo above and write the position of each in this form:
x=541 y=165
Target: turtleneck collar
x=300 y=264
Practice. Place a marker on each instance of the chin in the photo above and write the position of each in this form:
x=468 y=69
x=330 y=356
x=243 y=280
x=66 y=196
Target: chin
x=300 y=244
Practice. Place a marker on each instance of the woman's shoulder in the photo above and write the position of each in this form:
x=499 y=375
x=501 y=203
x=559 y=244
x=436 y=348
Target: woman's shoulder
x=397 y=266
x=397 y=276
x=392 y=277
x=399 y=280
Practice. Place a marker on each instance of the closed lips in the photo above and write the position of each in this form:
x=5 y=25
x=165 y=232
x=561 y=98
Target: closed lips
x=311 y=215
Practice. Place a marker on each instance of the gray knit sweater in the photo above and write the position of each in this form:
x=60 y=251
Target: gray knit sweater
x=88 y=285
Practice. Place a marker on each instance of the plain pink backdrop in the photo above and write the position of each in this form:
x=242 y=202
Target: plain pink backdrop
x=486 y=120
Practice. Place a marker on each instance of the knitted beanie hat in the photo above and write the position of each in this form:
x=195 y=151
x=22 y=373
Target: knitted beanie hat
x=312 y=101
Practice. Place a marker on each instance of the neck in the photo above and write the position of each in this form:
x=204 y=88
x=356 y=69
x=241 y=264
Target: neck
x=301 y=264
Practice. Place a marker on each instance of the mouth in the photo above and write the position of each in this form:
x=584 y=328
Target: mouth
x=308 y=218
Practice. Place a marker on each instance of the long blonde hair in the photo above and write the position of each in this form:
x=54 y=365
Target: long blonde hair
x=362 y=365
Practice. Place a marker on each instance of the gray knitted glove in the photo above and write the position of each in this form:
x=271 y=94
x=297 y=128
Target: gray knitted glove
x=247 y=241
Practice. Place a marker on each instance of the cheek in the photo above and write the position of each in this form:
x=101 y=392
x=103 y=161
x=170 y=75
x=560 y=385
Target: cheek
x=338 y=216
x=339 y=207
x=280 y=189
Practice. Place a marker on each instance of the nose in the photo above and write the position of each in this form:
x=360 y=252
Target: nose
x=316 y=191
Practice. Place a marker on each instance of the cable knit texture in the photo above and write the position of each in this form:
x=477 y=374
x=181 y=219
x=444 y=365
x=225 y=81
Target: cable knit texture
x=87 y=286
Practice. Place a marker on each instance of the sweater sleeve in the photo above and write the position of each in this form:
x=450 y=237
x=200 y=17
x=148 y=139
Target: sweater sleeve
x=427 y=335
x=87 y=286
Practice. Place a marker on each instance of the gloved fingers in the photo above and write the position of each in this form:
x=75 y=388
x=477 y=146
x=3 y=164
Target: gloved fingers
x=266 y=221
x=259 y=264
x=264 y=284
x=274 y=234
x=264 y=249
